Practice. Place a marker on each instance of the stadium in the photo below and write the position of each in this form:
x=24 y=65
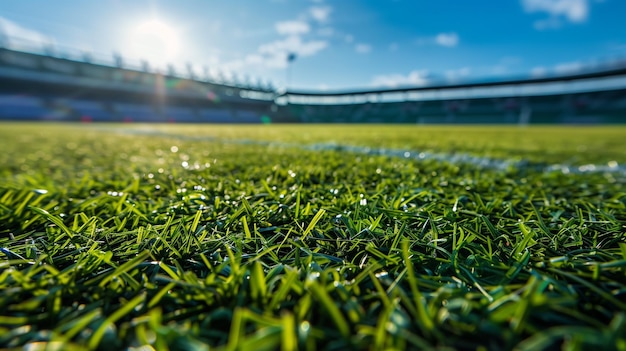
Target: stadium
x=144 y=208
x=38 y=86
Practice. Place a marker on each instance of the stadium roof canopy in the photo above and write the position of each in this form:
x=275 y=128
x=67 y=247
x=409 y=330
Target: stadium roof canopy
x=600 y=80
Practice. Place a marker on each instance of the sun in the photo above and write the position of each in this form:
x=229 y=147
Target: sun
x=154 y=41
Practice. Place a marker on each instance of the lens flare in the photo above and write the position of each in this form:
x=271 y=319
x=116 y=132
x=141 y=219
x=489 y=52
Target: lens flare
x=154 y=41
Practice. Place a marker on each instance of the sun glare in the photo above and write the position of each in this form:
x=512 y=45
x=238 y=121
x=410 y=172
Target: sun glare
x=154 y=41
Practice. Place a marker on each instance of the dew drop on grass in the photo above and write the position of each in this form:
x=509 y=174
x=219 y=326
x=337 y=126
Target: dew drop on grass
x=174 y=148
x=587 y=168
x=305 y=327
x=41 y=191
x=382 y=274
x=391 y=327
x=313 y=276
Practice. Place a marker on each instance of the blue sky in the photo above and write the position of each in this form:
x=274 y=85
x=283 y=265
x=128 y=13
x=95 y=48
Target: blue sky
x=339 y=44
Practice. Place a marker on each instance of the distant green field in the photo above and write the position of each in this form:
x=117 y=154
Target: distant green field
x=144 y=237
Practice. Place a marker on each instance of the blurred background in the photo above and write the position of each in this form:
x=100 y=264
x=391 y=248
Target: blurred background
x=314 y=61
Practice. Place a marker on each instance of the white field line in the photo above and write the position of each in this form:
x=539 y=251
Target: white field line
x=453 y=158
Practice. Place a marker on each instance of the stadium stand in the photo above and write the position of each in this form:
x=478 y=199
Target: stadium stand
x=23 y=108
x=137 y=113
x=181 y=114
x=88 y=111
x=601 y=105
x=247 y=117
x=216 y=116
x=40 y=86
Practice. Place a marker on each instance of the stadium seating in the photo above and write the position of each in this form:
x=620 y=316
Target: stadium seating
x=23 y=107
x=130 y=112
x=216 y=116
x=245 y=116
x=89 y=111
x=181 y=114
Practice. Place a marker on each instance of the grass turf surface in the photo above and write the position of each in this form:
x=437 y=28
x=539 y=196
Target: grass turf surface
x=127 y=236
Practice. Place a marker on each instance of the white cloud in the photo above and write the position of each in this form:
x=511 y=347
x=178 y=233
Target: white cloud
x=568 y=67
x=292 y=27
x=320 y=13
x=349 y=38
x=573 y=10
x=293 y=44
x=416 y=77
x=558 y=11
x=548 y=23
x=363 y=48
x=291 y=40
x=618 y=47
x=274 y=54
x=326 y=31
x=538 y=71
x=454 y=75
x=447 y=39
x=14 y=31
x=505 y=66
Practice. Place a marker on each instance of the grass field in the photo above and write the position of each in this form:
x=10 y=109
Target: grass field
x=312 y=237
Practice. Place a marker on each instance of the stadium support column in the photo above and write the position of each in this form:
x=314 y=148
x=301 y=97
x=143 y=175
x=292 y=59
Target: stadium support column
x=4 y=38
x=290 y=58
x=190 y=72
x=525 y=114
x=119 y=62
